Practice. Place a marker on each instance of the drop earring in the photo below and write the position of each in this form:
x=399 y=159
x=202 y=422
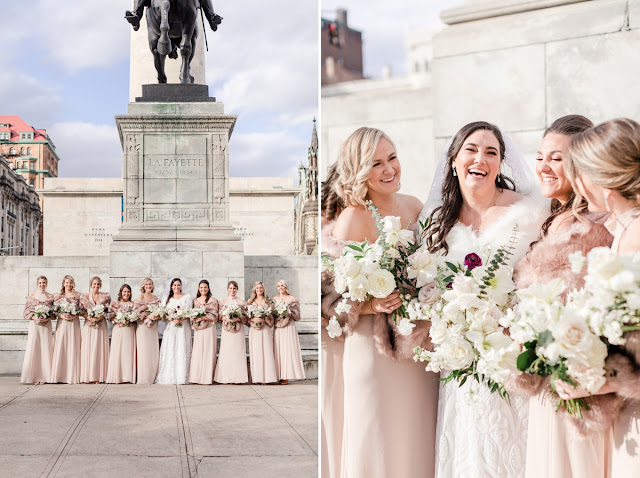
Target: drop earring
x=455 y=173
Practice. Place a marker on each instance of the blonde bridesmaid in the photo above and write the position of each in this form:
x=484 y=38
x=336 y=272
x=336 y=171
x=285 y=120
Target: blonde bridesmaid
x=122 y=358
x=286 y=345
x=232 y=360
x=147 y=343
x=36 y=367
x=65 y=364
x=94 y=357
x=261 y=357
x=205 y=337
x=604 y=166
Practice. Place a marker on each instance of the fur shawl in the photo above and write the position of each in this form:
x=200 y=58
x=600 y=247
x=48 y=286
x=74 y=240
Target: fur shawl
x=388 y=342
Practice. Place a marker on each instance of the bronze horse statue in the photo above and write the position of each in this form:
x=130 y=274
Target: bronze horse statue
x=172 y=24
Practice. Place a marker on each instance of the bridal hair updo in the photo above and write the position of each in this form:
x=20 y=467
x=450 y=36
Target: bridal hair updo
x=609 y=155
x=569 y=125
x=443 y=218
x=355 y=161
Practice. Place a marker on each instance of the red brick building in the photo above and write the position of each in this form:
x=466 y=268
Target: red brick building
x=29 y=151
x=341 y=51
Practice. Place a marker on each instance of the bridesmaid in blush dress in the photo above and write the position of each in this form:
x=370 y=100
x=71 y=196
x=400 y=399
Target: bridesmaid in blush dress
x=205 y=337
x=232 y=359
x=36 y=367
x=65 y=364
x=94 y=355
x=286 y=345
x=147 y=344
x=122 y=359
x=261 y=357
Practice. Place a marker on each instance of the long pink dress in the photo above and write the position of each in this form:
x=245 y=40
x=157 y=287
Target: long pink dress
x=261 y=357
x=122 y=357
x=65 y=364
x=37 y=358
x=94 y=356
x=147 y=343
x=203 y=353
x=232 y=359
x=554 y=449
x=286 y=345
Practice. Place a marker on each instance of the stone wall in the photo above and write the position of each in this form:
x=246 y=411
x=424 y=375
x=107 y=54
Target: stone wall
x=18 y=278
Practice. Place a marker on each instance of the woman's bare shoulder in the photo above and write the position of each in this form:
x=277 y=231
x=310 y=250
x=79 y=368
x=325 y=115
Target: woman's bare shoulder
x=354 y=224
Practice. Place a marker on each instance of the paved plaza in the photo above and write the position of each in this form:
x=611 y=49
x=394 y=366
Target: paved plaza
x=184 y=431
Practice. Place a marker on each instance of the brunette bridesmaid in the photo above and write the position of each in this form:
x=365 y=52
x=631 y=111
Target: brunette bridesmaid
x=94 y=357
x=286 y=345
x=122 y=359
x=65 y=364
x=261 y=357
x=148 y=349
x=232 y=360
x=36 y=367
x=203 y=354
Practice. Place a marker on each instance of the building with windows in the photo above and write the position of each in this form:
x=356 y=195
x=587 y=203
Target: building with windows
x=341 y=51
x=19 y=213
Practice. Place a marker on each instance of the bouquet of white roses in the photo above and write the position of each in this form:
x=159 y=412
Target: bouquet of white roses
x=125 y=318
x=281 y=309
x=196 y=313
x=465 y=303
x=178 y=313
x=232 y=311
x=569 y=343
x=156 y=311
x=66 y=310
x=96 y=312
x=41 y=314
x=365 y=271
x=257 y=314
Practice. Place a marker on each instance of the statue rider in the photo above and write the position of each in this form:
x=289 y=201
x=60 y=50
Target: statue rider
x=138 y=9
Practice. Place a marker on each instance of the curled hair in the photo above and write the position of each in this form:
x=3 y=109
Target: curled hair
x=72 y=281
x=95 y=278
x=443 y=218
x=330 y=203
x=123 y=287
x=204 y=281
x=609 y=155
x=144 y=281
x=355 y=161
x=254 y=296
x=173 y=281
x=286 y=286
x=569 y=125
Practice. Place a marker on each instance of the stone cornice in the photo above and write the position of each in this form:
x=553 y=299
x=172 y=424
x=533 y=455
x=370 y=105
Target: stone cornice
x=481 y=10
x=187 y=123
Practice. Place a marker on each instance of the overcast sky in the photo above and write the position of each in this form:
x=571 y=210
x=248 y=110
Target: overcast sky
x=70 y=76
x=383 y=24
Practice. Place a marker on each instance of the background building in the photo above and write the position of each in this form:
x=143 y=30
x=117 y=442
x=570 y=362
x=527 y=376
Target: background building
x=341 y=51
x=307 y=204
x=19 y=213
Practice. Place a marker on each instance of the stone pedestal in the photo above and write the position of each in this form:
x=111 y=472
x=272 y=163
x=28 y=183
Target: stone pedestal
x=176 y=190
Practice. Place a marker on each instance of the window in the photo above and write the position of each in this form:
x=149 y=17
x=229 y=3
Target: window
x=12 y=150
x=22 y=151
x=2 y=222
x=28 y=150
x=32 y=182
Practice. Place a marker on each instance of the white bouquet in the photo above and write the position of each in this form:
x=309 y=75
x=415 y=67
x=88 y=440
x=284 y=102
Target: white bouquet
x=569 y=343
x=465 y=304
x=96 y=312
x=281 y=309
x=196 y=313
x=257 y=315
x=41 y=314
x=178 y=313
x=155 y=313
x=232 y=311
x=66 y=310
x=125 y=318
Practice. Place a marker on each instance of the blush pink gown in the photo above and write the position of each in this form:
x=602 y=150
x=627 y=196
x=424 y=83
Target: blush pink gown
x=94 y=355
x=122 y=357
x=261 y=357
x=147 y=344
x=65 y=363
x=232 y=359
x=37 y=357
x=286 y=345
x=203 y=353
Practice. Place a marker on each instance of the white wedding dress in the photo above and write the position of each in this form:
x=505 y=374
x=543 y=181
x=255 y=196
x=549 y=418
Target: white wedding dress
x=479 y=435
x=175 y=352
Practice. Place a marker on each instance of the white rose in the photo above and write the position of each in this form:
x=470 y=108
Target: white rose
x=340 y=283
x=348 y=266
x=457 y=354
x=438 y=332
x=333 y=329
x=358 y=288
x=405 y=327
x=430 y=293
x=381 y=283
x=423 y=266
x=571 y=337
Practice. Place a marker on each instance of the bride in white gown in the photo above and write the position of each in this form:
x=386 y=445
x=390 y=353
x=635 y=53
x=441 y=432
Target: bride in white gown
x=175 y=352
x=473 y=209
